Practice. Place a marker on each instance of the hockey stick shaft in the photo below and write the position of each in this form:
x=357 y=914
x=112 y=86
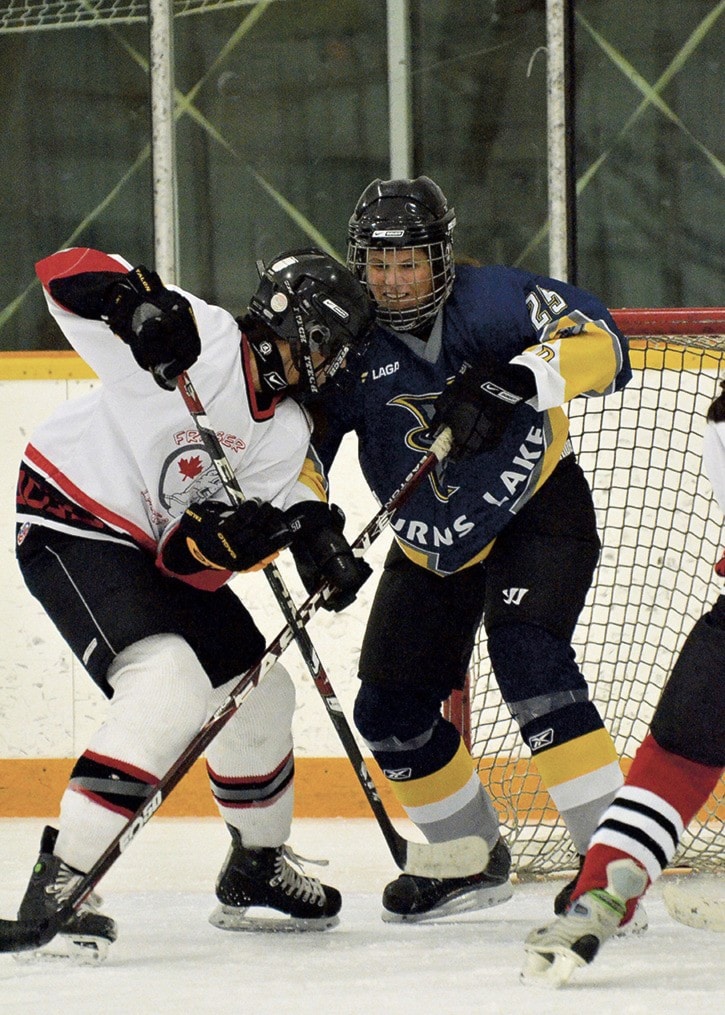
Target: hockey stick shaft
x=23 y=935
x=397 y=844
x=452 y=858
x=17 y=935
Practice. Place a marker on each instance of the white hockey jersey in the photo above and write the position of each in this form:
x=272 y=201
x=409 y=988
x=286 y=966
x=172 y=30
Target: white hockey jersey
x=124 y=461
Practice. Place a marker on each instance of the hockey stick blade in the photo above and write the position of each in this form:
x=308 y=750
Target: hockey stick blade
x=26 y=935
x=699 y=904
x=455 y=858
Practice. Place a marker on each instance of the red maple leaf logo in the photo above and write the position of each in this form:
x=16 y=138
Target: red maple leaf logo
x=190 y=468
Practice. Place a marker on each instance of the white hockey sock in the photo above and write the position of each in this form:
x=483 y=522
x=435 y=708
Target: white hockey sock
x=161 y=699
x=251 y=762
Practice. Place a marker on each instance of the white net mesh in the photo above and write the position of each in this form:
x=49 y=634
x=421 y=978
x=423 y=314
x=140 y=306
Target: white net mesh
x=662 y=532
x=26 y=15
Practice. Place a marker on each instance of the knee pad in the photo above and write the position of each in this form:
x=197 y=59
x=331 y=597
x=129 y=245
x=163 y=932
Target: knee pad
x=529 y=662
x=259 y=733
x=409 y=742
x=160 y=700
x=383 y=712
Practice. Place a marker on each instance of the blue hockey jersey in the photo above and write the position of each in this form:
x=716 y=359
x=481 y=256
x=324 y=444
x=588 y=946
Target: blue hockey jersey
x=494 y=315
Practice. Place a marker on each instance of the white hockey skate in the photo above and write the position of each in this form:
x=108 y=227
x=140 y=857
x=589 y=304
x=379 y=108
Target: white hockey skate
x=573 y=940
x=637 y=925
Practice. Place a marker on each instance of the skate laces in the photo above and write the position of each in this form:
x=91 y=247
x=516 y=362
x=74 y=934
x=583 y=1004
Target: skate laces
x=62 y=887
x=294 y=882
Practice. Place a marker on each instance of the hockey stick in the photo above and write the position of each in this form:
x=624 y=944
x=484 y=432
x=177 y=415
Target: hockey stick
x=25 y=935
x=459 y=857
x=22 y=935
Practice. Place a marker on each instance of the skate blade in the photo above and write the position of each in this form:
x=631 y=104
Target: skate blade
x=70 y=949
x=267 y=920
x=554 y=969
x=482 y=898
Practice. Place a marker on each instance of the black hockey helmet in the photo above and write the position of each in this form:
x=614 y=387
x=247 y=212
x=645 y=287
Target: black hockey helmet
x=312 y=301
x=393 y=214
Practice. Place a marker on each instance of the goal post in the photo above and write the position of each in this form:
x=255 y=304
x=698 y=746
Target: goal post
x=662 y=533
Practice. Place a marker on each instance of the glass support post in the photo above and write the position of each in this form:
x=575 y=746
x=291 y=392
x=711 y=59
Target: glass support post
x=163 y=140
x=399 y=90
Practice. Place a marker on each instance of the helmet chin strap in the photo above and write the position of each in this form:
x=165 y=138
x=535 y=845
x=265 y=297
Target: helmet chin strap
x=303 y=357
x=270 y=368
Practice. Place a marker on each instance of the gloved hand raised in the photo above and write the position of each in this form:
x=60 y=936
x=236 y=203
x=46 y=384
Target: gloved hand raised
x=157 y=323
x=478 y=405
x=322 y=554
x=215 y=535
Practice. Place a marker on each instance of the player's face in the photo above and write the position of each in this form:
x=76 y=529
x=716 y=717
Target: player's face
x=400 y=278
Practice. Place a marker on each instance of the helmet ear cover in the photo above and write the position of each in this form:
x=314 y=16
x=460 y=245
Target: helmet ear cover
x=264 y=346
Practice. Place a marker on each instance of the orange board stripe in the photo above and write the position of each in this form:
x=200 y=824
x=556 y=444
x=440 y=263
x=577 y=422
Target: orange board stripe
x=324 y=788
x=62 y=365
x=65 y=364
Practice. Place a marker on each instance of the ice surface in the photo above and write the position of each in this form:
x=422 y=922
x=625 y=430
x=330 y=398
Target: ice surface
x=168 y=959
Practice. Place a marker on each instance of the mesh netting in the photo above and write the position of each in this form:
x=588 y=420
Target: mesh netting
x=662 y=532
x=27 y=15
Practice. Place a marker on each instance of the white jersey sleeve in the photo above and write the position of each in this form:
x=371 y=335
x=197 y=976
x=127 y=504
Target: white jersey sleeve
x=713 y=458
x=107 y=355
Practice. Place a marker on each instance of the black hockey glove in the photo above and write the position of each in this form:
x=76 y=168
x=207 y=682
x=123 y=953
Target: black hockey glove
x=213 y=534
x=478 y=406
x=322 y=554
x=157 y=324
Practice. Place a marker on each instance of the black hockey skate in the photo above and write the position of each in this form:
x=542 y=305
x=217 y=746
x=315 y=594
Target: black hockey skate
x=412 y=899
x=259 y=890
x=85 y=936
x=563 y=898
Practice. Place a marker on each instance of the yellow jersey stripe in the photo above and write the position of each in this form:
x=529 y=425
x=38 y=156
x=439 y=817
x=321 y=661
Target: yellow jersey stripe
x=313 y=478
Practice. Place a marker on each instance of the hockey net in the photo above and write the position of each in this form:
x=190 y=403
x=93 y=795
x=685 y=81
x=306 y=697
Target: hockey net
x=662 y=532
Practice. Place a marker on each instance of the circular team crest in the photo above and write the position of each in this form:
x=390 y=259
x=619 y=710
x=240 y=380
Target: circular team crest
x=187 y=475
